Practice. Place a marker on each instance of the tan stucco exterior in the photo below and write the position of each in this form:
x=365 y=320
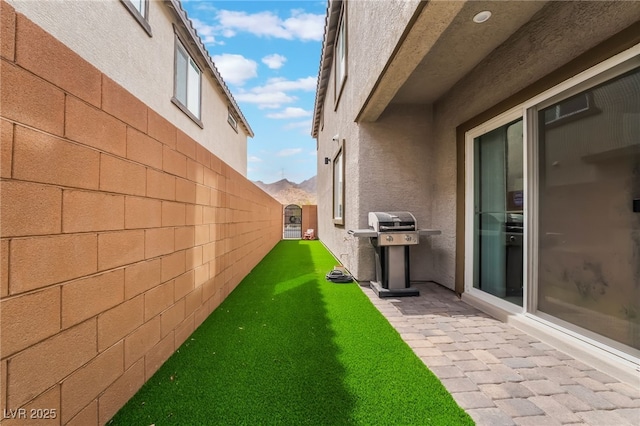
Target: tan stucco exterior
x=402 y=155
x=551 y=40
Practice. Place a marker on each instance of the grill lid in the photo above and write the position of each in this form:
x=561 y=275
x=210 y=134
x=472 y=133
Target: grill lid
x=392 y=221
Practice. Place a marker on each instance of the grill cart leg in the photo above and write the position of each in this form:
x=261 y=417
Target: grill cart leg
x=392 y=272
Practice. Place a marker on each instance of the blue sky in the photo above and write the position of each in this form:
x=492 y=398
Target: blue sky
x=268 y=53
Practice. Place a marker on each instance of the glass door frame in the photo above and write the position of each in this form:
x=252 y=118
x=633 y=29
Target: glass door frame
x=501 y=120
x=528 y=111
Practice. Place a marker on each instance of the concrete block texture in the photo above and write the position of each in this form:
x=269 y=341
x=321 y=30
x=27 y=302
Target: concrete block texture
x=6 y=148
x=160 y=185
x=108 y=259
x=40 y=157
x=123 y=105
x=143 y=149
x=51 y=60
x=27 y=99
x=35 y=209
x=93 y=127
x=8 y=31
x=85 y=211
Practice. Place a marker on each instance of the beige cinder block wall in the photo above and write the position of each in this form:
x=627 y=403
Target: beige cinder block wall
x=120 y=234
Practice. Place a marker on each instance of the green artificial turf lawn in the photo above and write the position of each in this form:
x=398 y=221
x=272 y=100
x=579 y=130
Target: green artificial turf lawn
x=288 y=347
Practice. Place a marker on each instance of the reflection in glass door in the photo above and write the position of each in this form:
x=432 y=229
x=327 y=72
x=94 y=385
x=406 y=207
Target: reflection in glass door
x=498 y=212
x=588 y=224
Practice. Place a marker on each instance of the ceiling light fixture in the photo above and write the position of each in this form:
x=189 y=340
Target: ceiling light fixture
x=482 y=17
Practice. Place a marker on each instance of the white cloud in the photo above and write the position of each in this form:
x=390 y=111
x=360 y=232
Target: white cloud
x=254 y=159
x=306 y=84
x=235 y=69
x=300 y=25
x=265 y=100
x=274 y=61
x=201 y=5
x=274 y=93
x=228 y=33
x=290 y=112
x=306 y=124
x=206 y=32
x=289 y=152
x=306 y=26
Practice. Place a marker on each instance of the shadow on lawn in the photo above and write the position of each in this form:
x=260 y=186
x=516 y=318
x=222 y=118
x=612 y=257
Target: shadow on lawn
x=266 y=355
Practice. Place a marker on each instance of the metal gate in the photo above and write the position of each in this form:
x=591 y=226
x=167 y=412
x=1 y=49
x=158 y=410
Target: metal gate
x=292 y=222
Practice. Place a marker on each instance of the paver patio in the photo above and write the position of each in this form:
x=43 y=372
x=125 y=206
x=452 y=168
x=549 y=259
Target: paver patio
x=501 y=375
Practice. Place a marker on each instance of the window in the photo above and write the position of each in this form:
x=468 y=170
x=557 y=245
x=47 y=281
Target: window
x=187 y=84
x=232 y=120
x=338 y=187
x=140 y=6
x=139 y=9
x=340 y=62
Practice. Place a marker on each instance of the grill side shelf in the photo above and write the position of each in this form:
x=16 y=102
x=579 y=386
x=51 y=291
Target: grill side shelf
x=363 y=233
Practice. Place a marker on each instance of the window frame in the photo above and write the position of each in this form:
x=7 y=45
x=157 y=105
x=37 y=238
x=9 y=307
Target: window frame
x=469 y=216
x=232 y=120
x=142 y=16
x=338 y=162
x=340 y=40
x=179 y=45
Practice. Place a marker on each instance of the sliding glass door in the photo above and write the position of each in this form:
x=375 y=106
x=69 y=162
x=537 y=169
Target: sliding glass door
x=589 y=233
x=553 y=208
x=498 y=212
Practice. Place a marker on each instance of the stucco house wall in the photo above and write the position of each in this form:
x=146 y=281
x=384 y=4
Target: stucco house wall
x=119 y=232
x=411 y=148
x=550 y=40
x=364 y=25
x=384 y=160
x=106 y=35
x=405 y=109
x=395 y=166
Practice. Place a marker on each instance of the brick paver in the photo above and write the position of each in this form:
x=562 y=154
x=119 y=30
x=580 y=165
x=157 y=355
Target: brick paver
x=501 y=375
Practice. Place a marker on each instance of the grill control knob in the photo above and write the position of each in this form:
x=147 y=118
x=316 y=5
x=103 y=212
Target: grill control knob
x=407 y=238
x=389 y=238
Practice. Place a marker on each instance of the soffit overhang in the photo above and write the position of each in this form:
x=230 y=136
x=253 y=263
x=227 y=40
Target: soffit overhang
x=442 y=45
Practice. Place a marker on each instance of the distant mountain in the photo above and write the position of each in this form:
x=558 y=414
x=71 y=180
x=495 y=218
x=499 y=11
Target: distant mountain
x=287 y=192
x=309 y=185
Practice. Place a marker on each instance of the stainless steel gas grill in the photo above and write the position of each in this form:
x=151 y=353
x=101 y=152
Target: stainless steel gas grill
x=391 y=234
